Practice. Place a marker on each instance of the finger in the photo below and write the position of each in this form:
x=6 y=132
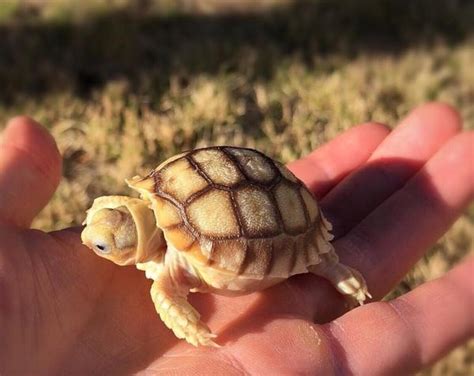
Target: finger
x=327 y=165
x=408 y=333
x=30 y=169
x=393 y=237
x=282 y=346
x=394 y=161
x=270 y=346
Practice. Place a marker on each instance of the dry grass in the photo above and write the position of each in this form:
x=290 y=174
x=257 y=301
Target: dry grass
x=124 y=86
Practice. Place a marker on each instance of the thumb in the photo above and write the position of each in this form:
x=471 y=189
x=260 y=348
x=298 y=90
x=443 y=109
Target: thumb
x=30 y=170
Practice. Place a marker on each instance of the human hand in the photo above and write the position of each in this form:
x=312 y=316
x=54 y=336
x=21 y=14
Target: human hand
x=389 y=195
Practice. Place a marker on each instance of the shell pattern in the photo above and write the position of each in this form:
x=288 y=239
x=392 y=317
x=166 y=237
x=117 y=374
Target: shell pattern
x=238 y=210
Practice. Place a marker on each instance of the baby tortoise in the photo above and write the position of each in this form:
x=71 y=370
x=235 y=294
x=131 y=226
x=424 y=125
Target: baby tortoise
x=225 y=220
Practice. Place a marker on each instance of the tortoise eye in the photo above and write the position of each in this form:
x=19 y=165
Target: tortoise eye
x=101 y=248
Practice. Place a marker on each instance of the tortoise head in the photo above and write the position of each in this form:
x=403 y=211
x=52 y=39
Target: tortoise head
x=123 y=230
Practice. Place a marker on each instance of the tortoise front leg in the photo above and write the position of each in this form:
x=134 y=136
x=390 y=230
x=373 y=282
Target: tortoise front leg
x=178 y=314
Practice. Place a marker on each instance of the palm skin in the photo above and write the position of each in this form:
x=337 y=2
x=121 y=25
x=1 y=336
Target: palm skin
x=390 y=195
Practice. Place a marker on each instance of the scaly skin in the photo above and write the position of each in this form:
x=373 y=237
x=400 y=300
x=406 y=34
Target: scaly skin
x=345 y=279
x=179 y=315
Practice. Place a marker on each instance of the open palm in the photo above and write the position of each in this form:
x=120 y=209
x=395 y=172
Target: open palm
x=389 y=195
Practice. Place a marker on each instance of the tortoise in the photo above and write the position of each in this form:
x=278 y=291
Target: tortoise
x=221 y=219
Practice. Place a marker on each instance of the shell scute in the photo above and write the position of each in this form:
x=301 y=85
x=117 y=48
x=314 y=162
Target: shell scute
x=217 y=166
x=289 y=201
x=284 y=256
x=167 y=214
x=180 y=180
x=180 y=237
x=256 y=166
x=287 y=174
x=228 y=254
x=212 y=213
x=258 y=257
x=257 y=212
x=310 y=203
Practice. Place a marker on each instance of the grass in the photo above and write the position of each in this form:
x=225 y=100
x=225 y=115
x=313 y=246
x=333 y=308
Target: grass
x=123 y=85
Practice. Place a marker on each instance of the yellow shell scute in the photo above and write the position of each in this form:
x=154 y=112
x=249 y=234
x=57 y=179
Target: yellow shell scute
x=217 y=166
x=257 y=212
x=283 y=256
x=287 y=174
x=255 y=165
x=301 y=256
x=229 y=254
x=141 y=184
x=291 y=207
x=180 y=180
x=311 y=251
x=212 y=214
x=170 y=160
x=180 y=237
x=258 y=257
x=310 y=203
x=167 y=215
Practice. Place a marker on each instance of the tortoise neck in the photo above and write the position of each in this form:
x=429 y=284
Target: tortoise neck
x=151 y=244
x=153 y=249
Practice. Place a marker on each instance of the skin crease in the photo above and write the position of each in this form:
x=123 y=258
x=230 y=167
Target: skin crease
x=70 y=312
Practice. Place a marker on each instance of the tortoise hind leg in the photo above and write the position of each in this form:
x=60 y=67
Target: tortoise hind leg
x=346 y=280
x=178 y=314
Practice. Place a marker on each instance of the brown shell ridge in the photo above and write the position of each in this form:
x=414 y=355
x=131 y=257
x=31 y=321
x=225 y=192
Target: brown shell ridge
x=198 y=169
x=237 y=213
x=279 y=265
x=302 y=251
x=244 y=262
x=198 y=194
x=294 y=256
x=219 y=186
x=283 y=248
x=305 y=208
x=258 y=258
x=312 y=251
x=249 y=180
x=271 y=260
x=305 y=251
x=298 y=251
x=234 y=160
x=180 y=208
x=279 y=215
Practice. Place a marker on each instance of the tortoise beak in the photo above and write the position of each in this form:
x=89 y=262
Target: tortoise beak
x=84 y=241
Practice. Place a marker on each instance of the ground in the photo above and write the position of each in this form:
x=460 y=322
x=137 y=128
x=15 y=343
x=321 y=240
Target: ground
x=125 y=84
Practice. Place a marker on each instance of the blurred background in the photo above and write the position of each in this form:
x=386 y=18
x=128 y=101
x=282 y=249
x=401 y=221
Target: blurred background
x=124 y=84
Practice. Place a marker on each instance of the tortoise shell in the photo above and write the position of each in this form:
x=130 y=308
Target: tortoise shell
x=237 y=210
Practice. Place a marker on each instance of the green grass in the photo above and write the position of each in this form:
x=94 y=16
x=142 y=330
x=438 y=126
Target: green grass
x=123 y=85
